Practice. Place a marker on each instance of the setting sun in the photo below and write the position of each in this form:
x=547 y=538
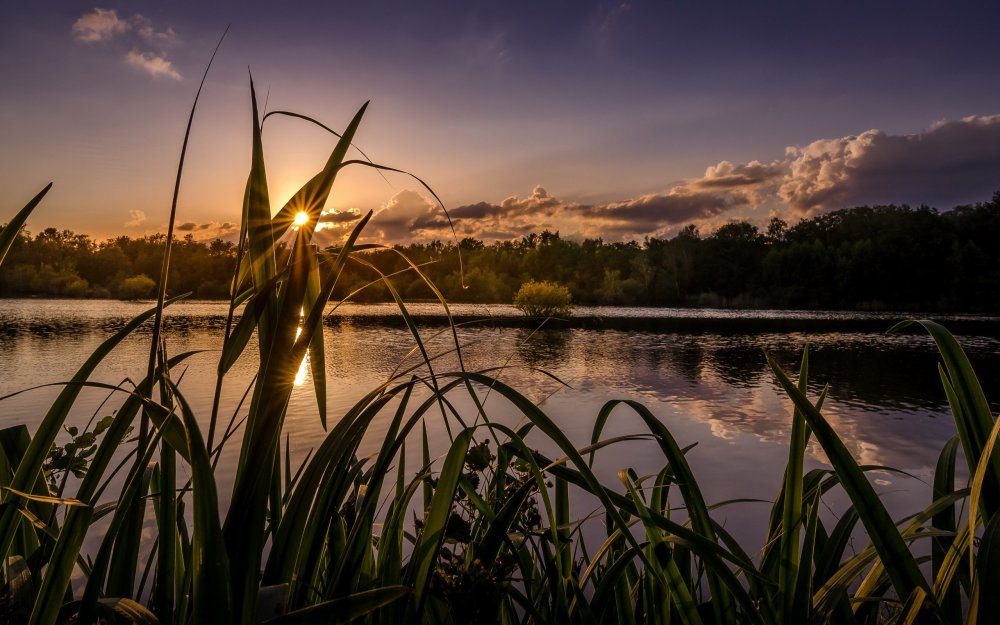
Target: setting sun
x=301 y=218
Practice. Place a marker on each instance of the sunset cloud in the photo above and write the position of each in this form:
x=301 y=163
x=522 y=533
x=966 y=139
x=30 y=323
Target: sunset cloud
x=948 y=159
x=99 y=25
x=875 y=167
x=405 y=212
x=663 y=209
x=208 y=230
x=870 y=168
x=136 y=217
x=538 y=203
x=137 y=31
x=338 y=217
x=153 y=63
x=144 y=28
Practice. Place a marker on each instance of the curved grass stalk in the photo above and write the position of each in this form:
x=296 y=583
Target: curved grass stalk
x=8 y=234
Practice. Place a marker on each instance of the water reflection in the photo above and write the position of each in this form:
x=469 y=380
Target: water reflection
x=710 y=383
x=543 y=348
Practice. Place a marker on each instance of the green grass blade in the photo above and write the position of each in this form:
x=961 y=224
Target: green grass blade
x=791 y=517
x=426 y=550
x=132 y=611
x=115 y=435
x=257 y=481
x=22 y=593
x=260 y=246
x=343 y=610
x=944 y=484
x=166 y=520
x=988 y=570
x=333 y=456
x=8 y=234
x=317 y=357
x=313 y=195
x=161 y=291
x=974 y=420
x=240 y=336
x=799 y=609
x=497 y=531
x=701 y=520
x=669 y=575
x=952 y=560
x=50 y=426
x=60 y=567
x=833 y=550
x=135 y=489
x=212 y=599
x=712 y=555
x=979 y=484
x=895 y=555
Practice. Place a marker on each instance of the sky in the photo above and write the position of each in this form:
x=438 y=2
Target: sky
x=619 y=120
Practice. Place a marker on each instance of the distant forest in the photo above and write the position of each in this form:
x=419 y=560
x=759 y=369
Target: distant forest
x=881 y=257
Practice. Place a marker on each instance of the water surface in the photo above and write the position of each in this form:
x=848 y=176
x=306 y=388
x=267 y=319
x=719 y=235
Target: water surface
x=702 y=372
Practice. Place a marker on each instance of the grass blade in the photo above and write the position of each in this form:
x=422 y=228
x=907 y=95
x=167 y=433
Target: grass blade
x=899 y=562
x=30 y=466
x=212 y=600
x=426 y=550
x=8 y=234
x=973 y=417
x=343 y=610
x=60 y=567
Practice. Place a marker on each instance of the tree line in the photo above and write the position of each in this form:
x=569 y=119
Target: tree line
x=869 y=257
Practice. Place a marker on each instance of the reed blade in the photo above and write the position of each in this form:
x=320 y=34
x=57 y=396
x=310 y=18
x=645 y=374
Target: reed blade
x=895 y=555
x=8 y=234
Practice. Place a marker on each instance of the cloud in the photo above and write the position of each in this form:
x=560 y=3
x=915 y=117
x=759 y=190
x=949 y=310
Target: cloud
x=406 y=216
x=410 y=216
x=949 y=162
x=138 y=32
x=209 y=230
x=538 y=203
x=675 y=207
x=338 y=217
x=514 y=216
x=402 y=216
x=153 y=63
x=136 y=217
x=146 y=31
x=99 y=25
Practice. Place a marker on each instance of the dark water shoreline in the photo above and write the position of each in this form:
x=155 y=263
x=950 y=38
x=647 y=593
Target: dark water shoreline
x=209 y=314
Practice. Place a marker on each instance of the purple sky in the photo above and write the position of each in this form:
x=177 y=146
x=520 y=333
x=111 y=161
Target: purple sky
x=619 y=120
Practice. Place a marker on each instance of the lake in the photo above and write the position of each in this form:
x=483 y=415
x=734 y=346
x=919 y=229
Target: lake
x=702 y=372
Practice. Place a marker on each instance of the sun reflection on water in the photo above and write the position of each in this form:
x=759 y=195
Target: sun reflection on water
x=300 y=375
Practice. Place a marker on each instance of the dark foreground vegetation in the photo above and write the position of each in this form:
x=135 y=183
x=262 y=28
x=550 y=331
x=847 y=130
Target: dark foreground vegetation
x=882 y=257
x=486 y=533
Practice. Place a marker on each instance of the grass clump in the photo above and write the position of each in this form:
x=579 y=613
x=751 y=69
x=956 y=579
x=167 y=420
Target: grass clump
x=495 y=538
x=543 y=299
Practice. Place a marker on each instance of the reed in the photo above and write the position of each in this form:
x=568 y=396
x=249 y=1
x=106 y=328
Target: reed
x=495 y=538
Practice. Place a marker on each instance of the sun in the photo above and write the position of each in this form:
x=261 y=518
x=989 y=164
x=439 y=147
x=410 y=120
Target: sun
x=301 y=218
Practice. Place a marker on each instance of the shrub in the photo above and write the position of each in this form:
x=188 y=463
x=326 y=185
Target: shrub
x=137 y=287
x=543 y=299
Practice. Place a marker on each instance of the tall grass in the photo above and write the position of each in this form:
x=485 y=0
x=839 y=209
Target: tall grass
x=495 y=538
